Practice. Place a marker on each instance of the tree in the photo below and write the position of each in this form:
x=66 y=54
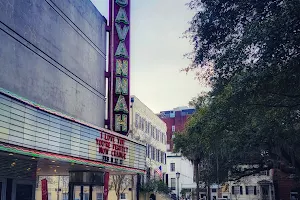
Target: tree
x=189 y=145
x=119 y=183
x=233 y=135
x=250 y=51
x=155 y=186
x=234 y=36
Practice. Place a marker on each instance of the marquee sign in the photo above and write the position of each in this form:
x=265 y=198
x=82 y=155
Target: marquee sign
x=114 y=149
x=119 y=66
x=45 y=133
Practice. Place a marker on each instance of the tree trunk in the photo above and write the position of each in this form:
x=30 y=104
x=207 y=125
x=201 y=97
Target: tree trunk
x=118 y=195
x=196 y=166
x=208 y=191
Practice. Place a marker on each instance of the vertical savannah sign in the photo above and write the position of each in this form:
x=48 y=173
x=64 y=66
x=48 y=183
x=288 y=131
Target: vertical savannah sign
x=119 y=67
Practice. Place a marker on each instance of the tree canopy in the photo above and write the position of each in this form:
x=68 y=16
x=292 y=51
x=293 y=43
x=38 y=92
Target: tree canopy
x=250 y=52
x=155 y=186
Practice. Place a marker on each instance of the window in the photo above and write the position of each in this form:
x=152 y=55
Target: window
x=162 y=157
x=264 y=173
x=148 y=175
x=137 y=120
x=173 y=183
x=146 y=126
x=294 y=195
x=173 y=128
x=251 y=190
x=122 y=196
x=165 y=139
x=214 y=190
x=99 y=196
x=140 y=122
x=143 y=124
x=158 y=155
x=172 y=167
x=237 y=190
x=153 y=153
x=152 y=131
x=65 y=196
x=149 y=151
x=85 y=196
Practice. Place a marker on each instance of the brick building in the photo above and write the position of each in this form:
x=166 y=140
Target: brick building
x=175 y=120
x=286 y=187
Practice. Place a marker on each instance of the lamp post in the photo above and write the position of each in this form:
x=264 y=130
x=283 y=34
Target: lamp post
x=177 y=176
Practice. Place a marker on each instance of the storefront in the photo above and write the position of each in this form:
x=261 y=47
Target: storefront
x=38 y=144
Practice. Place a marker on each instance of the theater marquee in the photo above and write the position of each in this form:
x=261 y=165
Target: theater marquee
x=36 y=131
x=119 y=66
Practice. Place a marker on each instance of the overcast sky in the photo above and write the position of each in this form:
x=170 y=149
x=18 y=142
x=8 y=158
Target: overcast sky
x=157 y=51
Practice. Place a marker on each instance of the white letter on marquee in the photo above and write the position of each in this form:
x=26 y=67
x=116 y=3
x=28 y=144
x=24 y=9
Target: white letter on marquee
x=121 y=50
x=121 y=105
x=121 y=85
x=120 y=120
x=122 y=16
x=122 y=32
x=122 y=67
x=122 y=3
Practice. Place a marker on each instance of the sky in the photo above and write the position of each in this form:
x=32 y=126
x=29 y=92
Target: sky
x=157 y=53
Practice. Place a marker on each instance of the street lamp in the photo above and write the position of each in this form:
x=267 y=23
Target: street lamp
x=177 y=176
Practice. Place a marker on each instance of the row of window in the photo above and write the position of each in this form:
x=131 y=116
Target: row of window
x=142 y=124
x=172 y=113
x=156 y=154
x=249 y=190
x=99 y=196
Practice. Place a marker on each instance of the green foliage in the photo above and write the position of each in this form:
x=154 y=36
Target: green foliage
x=260 y=37
x=250 y=51
x=155 y=186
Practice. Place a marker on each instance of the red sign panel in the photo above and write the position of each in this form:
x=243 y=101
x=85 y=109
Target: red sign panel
x=119 y=66
x=106 y=181
x=44 y=189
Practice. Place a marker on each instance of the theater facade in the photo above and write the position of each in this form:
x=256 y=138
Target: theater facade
x=55 y=139
x=38 y=143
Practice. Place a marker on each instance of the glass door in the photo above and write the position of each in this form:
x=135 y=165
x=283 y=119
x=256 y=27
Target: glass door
x=77 y=192
x=81 y=192
x=24 y=192
x=97 y=192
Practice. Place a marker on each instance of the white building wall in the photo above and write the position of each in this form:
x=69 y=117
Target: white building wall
x=254 y=181
x=148 y=128
x=184 y=167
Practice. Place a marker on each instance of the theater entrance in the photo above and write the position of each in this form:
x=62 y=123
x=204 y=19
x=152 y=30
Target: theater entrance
x=86 y=185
